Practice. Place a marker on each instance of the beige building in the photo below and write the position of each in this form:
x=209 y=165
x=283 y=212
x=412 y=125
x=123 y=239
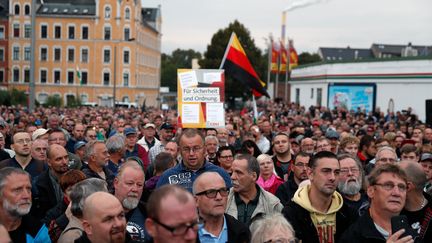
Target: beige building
x=91 y=49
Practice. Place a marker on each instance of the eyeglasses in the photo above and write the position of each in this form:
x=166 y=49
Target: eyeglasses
x=181 y=229
x=353 y=170
x=193 y=149
x=23 y=141
x=226 y=157
x=213 y=192
x=391 y=160
x=283 y=240
x=301 y=165
x=388 y=186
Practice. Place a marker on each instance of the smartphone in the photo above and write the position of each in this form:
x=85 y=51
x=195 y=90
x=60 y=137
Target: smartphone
x=401 y=222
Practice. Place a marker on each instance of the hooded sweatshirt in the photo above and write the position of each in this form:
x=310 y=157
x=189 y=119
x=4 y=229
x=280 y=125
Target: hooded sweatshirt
x=324 y=222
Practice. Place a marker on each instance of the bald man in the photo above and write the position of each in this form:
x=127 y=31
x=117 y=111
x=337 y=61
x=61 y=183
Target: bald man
x=211 y=196
x=103 y=219
x=418 y=204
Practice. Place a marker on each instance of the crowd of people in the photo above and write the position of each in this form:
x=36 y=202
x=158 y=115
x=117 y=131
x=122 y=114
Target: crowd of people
x=288 y=174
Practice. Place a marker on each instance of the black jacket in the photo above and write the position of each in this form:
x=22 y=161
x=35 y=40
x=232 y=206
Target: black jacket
x=108 y=175
x=285 y=192
x=305 y=229
x=363 y=230
x=237 y=231
x=44 y=196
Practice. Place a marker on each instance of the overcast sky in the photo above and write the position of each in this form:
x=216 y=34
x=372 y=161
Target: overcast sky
x=190 y=24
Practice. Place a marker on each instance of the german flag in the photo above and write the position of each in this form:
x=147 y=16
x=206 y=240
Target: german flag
x=293 y=57
x=236 y=64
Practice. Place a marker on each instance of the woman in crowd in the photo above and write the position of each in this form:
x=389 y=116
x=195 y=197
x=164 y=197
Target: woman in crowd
x=272 y=228
x=268 y=179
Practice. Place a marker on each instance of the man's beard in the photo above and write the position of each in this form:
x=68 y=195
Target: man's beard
x=16 y=210
x=131 y=201
x=350 y=188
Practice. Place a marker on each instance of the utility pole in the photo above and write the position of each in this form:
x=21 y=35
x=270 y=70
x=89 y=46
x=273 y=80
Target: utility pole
x=32 y=57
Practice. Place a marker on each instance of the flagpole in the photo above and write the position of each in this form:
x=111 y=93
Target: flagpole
x=288 y=57
x=269 y=60
x=227 y=49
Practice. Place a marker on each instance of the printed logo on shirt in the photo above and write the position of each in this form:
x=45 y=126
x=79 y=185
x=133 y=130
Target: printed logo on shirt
x=136 y=232
x=180 y=179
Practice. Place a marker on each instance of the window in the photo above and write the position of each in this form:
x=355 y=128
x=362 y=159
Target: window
x=16 y=53
x=83 y=77
x=1 y=75
x=57 y=54
x=297 y=97
x=71 y=55
x=16 y=75
x=27 y=76
x=2 y=55
x=27 y=53
x=57 y=32
x=126 y=79
x=27 y=31
x=84 y=33
x=107 y=12
x=2 y=32
x=107 y=33
x=16 y=30
x=71 y=32
x=84 y=55
x=107 y=55
x=17 y=9
x=57 y=76
x=319 y=96
x=127 y=13
x=126 y=57
x=70 y=77
x=44 y=31
x=106 y=79
x=27 y=9
x=44 y=53
x=126 y=34
x=43 y=76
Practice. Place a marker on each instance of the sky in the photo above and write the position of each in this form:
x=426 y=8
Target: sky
x=190 y=24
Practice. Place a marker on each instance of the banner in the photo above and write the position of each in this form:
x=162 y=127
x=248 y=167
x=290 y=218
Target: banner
x=275 y=57
x=201 y=97
x=283 y=59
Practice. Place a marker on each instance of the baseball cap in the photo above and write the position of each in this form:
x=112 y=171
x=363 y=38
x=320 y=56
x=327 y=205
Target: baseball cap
x=149 y=125
x=39 y=132
x=426 y=157
x=166 y=126
x=332 y=134
x=129 y=131
x=78 y=145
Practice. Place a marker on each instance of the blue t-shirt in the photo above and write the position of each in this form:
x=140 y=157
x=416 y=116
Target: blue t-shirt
x=183 y=176
x=207 y=237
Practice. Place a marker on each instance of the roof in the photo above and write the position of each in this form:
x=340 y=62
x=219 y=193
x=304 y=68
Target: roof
x=397 y=50
x=4 y=8
x=150 y=18
x=67 y=7
x=344 y=54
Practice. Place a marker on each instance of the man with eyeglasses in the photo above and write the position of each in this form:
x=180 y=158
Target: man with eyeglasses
x=172 y=215
x=317 y=211
x=211 y=194
x=384 y=155
x=285 y=192
x=193 y=162
x=351 y=183
x=21 y=145
x=387 y=192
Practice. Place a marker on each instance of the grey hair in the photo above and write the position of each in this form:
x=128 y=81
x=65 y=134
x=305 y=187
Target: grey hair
x=89 y=149
x=270 y=222
x=115 y=143
x=7 y=171
x=416 y=175
x=82 y=190
x=385 y=148
x=212 y=137
x=252 y=163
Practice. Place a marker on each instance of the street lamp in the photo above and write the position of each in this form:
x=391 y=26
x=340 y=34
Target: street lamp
x=115 y=69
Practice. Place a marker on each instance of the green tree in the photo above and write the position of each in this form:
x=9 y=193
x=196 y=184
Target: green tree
x=306 y=58
x=170 y=63
x=53 y=101
x=216 y=50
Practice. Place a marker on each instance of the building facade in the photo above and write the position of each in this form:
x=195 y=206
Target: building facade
x=94 y=50
x=4 y=50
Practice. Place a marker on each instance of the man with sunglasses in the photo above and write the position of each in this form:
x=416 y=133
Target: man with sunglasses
x=193 y=162
x=172 y=215
x=387 y=192
x=211 y=194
